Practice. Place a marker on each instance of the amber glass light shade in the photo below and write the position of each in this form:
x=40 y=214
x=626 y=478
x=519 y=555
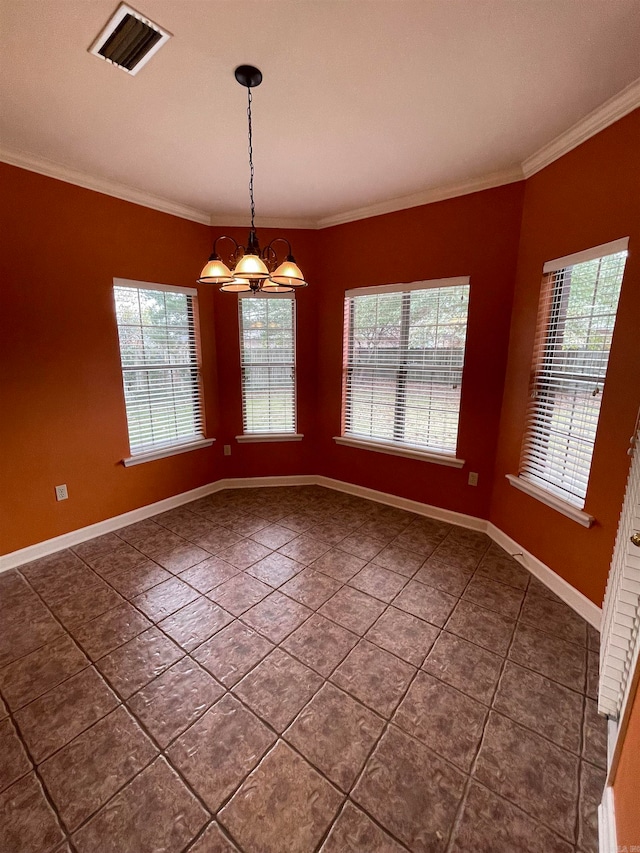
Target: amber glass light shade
x=236 y=285
x=269 y=286
x=215 y=272
x=251 y=267
x=288 y=274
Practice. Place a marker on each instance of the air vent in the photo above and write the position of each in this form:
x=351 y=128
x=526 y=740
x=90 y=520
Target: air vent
x=129 y=40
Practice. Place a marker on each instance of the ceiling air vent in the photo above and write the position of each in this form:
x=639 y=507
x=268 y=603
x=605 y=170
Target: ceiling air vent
x=129 y=40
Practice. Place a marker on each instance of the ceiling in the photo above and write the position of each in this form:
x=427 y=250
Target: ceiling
x=366 y=105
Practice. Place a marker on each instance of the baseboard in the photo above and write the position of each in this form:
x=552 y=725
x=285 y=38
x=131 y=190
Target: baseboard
x=607 y=840
x=569 y=594
x=459 y=518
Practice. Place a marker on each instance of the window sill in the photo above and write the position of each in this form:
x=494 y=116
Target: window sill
x=249 y=437
x=161 y=452
x=551 y=500
x=400 y=450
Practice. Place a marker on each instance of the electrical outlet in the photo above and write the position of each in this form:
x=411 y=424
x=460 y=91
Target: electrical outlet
x=473 y=478
x=227 y=450
x=61 y=492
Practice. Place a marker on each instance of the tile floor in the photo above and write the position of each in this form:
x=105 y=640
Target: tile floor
x=293 y=670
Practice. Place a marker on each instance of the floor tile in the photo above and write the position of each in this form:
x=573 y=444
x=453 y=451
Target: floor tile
x=399 y=560
x=212 y=841
x=52 y=720
x=593 y=638
x=275 y=569
x=530 y=772
x=336 y=734
x=404 y=635
x=117 y=561
x=426 y=603
x=353 y=609
x=554 y=618
x=458 y=554
x=27 y=821
x=443 y=576
x=362 y=546
x=470 y=668
x=55 y=583
x=490 y=824
x=304 y=549
x=15 y=642
x=218 y=539
x=447 y=721
x=378 y=529
x=331 y=532
x=248 y=525
x=217 y=752
x=411 y=791
x=375 y=677
x=31 y=676
x=133 y=665
x=497 y=565
x=494 y=596
x=181 y=558
x=110 y=630
x=594 y=740
x=176 y=699
x=378 y=582
x=276 y=616
x=94 y=547
x=274 y=536
x=133 y=581
x=550 y=656
x=491 y=630
x=545 y=706
x=85 y=603
x=354 y=832
x=195 y=623
x=14 y=759
x=164 y=599
x=239 y=593
x=284 y=798
x=311 y=588
x=419 y=541
x=83 y=775
x=209 y=574
x=592 y=781
x=299 y=521
x=154 y=812
x=321 y=644
x=593 y=674
x=339 y=564
x=278 y=688
x=232 y=652
x=244 y=554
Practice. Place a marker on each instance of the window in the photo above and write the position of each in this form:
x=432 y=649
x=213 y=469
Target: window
x=267 y=355
x=160 y=367
x=576 y=316
x=403 y=358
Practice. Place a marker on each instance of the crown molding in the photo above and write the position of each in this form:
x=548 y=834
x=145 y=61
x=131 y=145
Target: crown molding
x=42 y=166
x=487 y=182
x=606 y=114
x=219 y=220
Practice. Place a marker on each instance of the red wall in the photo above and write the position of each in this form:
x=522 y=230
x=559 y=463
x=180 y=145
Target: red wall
x=475 y=235
x=588 y=197
x=626 y=786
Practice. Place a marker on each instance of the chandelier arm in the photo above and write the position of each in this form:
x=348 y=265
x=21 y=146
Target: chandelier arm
x=225 y=237
x=281 y=240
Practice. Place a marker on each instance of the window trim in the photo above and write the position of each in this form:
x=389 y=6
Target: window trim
x=548 y=498
x=176 y=447
x=256 y=437
x=391 y=447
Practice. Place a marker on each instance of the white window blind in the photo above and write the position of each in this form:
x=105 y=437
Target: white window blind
x=576 y=316
x=267 y=354
x=620 y=644
x=403 y=359
x=160 y=367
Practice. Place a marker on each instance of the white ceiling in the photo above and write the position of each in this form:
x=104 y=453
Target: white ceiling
x=363 y=101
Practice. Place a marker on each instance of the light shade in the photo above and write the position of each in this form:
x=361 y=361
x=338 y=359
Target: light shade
x=288 y=274
x=236 y=285
x=251 y=267
x=215 y=272
x=273 y=287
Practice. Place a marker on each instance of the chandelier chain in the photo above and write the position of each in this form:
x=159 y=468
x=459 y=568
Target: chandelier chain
x=253 y=206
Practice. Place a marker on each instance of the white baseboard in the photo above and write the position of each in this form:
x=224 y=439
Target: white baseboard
x=607 y=840
x=562 y=588
x=571 y=596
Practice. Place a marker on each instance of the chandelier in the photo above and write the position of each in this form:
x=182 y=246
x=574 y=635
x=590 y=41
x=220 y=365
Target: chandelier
x=250 y=268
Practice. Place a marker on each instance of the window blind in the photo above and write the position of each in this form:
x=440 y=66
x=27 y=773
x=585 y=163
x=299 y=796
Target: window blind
x=267 y=354
x=403 y=360
x=576 y=317
x=160 y=368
